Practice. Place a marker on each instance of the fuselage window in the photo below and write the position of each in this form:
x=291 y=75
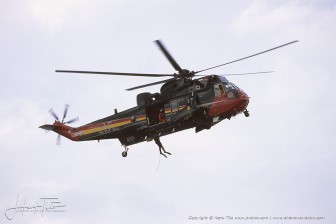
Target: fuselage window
x=174 y=106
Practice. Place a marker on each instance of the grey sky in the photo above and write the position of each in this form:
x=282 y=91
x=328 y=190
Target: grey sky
x=278 y=162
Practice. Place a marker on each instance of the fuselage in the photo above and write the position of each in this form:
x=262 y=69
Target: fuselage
x=201 y=105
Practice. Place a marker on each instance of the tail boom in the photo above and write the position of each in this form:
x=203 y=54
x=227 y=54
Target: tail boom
x=61 y=129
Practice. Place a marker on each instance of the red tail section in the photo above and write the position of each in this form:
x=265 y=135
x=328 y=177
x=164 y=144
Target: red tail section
x=61 y=129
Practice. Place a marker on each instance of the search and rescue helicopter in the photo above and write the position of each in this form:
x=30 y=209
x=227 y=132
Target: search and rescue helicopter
x=183 y=103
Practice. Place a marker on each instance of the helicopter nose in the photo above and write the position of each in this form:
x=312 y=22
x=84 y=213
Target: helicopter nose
x=243 y=96
x=244 y=100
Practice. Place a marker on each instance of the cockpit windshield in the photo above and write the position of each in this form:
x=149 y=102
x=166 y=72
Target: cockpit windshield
x=231 y=90
x=223 y=79
x=236 y=87
x=228 y=86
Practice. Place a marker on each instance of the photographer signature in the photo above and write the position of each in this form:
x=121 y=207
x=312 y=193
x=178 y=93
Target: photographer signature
x=42 y=205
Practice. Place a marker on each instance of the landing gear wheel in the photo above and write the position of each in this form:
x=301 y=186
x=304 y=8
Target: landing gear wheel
x=124 y=153
x=246 y=113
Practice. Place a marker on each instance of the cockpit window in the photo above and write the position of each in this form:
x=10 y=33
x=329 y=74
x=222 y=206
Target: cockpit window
x=223 y=79
x=228 y=86
x=219 y=90
x=230 y=90
x=236 y=87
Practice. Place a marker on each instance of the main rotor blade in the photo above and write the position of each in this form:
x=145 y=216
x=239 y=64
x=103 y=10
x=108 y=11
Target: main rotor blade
x=149 y=84
x=169 y=57
x=248 y=56
x=115 y=73
x=249 y=73
x=65 y=112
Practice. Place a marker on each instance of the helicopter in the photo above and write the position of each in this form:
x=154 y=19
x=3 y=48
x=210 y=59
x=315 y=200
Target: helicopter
x=183 y=102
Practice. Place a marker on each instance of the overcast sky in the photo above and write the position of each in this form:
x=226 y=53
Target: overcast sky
x=278 y=162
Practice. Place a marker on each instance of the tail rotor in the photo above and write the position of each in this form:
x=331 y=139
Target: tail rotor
x=66 y=108
x=58 y=140
x=53 y=114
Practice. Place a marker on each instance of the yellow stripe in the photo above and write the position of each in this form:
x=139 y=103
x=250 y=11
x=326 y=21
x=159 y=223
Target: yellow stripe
x=168 y=110
x=102 y=128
